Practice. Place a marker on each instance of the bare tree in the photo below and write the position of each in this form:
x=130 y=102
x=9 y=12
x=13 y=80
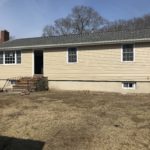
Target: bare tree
x=132 y=24
x=63 y=26
x=82 y=19
x=86 y=19
x=49 y=30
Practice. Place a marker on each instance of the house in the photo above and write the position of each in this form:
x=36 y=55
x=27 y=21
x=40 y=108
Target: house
x=108 y=61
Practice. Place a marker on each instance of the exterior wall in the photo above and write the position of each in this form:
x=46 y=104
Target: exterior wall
x=2 y=83
x=141 y=87
x=16 y=70
x=99 y=68
x=98 y=63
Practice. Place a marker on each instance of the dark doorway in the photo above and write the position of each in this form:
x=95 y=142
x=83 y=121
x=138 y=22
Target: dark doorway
x=38 y=62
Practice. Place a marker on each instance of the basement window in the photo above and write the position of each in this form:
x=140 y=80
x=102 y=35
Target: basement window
x=13 y=82
x=128 y=85
x=72 y=55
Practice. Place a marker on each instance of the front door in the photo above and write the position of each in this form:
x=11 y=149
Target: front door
x=38 y=62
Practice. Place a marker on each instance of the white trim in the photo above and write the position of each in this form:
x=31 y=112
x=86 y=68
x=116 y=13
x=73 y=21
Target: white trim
x=121 y=53
x=15 y=57
x=3 y=58
x=134 y=51
x=133 y=54
x=129 y=88
x=43 y=62
x=32 y=62
x=78 y=44
x=67 y=58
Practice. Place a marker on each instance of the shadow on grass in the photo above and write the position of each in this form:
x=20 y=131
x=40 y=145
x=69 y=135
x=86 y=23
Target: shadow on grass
x=10 y=143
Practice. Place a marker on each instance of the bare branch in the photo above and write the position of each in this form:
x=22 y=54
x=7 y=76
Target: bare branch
x=82 y=19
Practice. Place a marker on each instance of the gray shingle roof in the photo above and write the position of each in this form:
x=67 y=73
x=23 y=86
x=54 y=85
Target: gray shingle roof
x=77 y=39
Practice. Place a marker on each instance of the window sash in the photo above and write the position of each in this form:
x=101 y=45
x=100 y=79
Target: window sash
x=128 y=85
x=128 y=52
x=10 y=57
x=72 y=55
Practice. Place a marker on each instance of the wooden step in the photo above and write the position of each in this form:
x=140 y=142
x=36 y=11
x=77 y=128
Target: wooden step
x=26 y=84
x=30 y=83
x=23 y=87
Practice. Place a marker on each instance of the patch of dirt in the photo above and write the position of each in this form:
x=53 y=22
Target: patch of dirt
x=61 y=120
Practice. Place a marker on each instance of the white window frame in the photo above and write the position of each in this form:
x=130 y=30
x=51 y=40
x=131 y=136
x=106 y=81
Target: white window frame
x=11 y=63
x=68 y=56
x=129 y=82
x=133 y=53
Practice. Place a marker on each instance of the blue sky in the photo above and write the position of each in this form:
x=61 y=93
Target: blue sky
x=27 y=18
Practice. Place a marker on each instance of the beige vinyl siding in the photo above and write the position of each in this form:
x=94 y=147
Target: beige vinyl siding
x=98 y=63
x=18 y=70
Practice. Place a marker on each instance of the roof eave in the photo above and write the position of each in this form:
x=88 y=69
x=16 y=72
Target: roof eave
x=76 y=44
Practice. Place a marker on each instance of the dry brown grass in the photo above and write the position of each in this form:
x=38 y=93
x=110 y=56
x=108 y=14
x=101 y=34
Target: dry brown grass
x=78 y=120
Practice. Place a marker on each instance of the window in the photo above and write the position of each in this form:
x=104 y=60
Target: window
x=1 y=57
x=128 y=85
x=72 y=55
x=18 y=53
x=128 y=53
x=10 y=57
x=13 y=82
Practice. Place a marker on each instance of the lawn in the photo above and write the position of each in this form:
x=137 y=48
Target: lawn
x=61 y=120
